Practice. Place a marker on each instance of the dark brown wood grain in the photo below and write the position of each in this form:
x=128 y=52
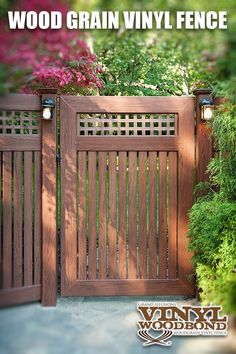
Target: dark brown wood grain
x=152 y=215
x=82 y=244
x=172 y=216
x=37 y=218
x=122 y=263
x=102 y=175
x=132 y=244
x=21 y=239
x=92 y=256
x=185 y=189
x=162 y=211
x=112 y=256
x=20 y=143
x=137 y=166
x=133 y=143
x=68 y=200
x=20 y=270
x=116 y=104
x=20 y=295
x=20 y=102
x=28 y=236
x=18 y=242
x=49 y=209
x=130 y=287
x=142 y=215
x=7 y=221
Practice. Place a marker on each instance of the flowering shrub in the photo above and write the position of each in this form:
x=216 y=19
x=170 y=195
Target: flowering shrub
x=48 y=58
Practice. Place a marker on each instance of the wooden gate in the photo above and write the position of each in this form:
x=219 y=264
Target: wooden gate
x=127 y=176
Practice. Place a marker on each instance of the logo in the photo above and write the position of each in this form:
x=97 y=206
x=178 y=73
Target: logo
x=160 y=321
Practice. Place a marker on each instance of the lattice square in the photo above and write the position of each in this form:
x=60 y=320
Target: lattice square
x=19 y=123
x=126 y=124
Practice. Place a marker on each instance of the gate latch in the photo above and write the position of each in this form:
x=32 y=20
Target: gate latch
x=58 y=158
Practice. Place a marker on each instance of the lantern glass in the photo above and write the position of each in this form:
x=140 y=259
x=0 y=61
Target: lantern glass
x=47 y=113
x=207 y=112
x=48 y=105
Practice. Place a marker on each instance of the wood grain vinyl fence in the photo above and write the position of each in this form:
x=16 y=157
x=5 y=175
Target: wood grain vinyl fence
x=127 y=177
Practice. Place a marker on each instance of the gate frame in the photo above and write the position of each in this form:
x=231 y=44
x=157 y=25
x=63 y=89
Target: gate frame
x=70 y=106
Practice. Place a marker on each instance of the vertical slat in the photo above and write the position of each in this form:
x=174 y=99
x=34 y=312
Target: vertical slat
x=142 y=227
x=82 y=253
x=92 y=214
x=17 y=264
x=122 y=216
x=132 y=255
x=172 y=220
x=28 y=273
x=162 y=263
x=37 y=217
x=112 y=217
x=152 y=215
x=102 y=213
x=7 y=221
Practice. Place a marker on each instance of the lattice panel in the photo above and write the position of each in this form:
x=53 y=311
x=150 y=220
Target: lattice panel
x=19 y=123
x=127 y=124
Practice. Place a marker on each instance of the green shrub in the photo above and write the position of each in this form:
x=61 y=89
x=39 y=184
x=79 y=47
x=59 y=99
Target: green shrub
x=223 y=166
x=212 y=225
x=213 y=240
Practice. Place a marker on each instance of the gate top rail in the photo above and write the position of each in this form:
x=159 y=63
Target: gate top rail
x=127 y=104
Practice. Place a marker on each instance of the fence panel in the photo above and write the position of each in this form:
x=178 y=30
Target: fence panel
x=20 y=191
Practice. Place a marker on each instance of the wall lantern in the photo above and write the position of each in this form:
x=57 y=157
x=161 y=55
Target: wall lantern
x=207 y=107
x=48 y=105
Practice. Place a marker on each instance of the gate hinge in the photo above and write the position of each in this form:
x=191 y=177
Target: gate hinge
x=58 y=158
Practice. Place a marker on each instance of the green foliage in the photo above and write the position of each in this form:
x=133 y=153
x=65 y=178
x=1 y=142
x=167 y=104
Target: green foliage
x=142 y=64
x=4 y=6
x=4 y=87
x=209 y=222
x=153 y=5
x=223 y=166
x=157 y=62
x=213 y=221
x=213 y=239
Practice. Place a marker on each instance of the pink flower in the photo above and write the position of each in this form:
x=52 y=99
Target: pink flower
x=48 y=57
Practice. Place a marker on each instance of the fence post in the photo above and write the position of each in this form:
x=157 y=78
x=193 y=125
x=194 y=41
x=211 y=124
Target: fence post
x=49 y=203
x=204 y=144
